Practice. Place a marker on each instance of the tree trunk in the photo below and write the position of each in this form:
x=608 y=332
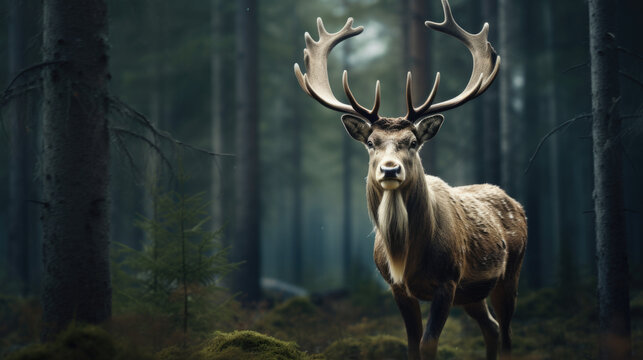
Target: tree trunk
x=297 y=121
x=490 y=116
x=507 y=30
x=19 y=246
x=417 y=57
x=553 y=179
x=75 y=165
x=611 y=247
x=246 y=245
x=347 y=193
x=217 y=114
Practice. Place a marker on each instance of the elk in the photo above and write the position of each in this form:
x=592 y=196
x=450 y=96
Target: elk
x=433 y=242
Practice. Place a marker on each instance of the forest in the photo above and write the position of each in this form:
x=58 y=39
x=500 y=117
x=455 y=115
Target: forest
x=174 y=190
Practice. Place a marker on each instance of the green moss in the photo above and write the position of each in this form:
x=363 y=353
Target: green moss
x=367 y=348
x=248 y=345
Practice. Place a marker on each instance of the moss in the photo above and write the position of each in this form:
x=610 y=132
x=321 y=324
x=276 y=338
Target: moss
x=248 y=345
x=294 y=310
x=367 y=348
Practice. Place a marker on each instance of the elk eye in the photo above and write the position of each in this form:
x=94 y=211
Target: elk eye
x=369 y=144
x=414 y=144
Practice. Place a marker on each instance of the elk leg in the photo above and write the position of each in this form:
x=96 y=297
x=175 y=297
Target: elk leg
x=440 y=306
x=412 y=315
x=503 y=299
x=489 y=326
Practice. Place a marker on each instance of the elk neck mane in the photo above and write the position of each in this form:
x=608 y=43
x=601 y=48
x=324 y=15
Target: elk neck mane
x=404 y=218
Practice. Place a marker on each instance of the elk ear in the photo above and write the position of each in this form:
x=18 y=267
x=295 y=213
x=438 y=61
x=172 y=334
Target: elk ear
x=428 y=127
x=357 y=128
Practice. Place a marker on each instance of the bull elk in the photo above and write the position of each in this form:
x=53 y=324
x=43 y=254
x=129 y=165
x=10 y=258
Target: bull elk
x=433 y=242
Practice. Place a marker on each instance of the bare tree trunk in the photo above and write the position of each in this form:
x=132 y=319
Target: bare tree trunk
x=417 y=57
x=246 y=245
x=553 y=178
x=611 y=246
x=217 y=114
x=297 y=120
x=507 y=24
x=490 y=116
x=347 y=193
x=19 y=245
x=75 y=165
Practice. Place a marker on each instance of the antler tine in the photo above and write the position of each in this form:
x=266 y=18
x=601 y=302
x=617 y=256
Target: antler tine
x=368 y=114
x=414 y=113
x=315 y=82
x=485 y=62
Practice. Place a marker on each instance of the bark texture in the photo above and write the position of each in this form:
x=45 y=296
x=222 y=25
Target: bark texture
x=75 y=165
x=611 y=246
x=246 y=246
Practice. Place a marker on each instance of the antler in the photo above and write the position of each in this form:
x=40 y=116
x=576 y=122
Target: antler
x=485 y=67
x=315 y=82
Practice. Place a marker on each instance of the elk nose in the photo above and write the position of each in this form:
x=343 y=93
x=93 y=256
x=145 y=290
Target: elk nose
x=390 y=170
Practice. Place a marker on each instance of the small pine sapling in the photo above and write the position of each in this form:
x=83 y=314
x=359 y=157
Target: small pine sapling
x=178 y=272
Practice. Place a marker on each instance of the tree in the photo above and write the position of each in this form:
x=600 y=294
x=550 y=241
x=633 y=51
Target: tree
x=416 y=60
x=19 y=245
x=75 y=165
x=611 y=246
x=176 y=273
x=490 y=123
x=297 y=118
x=246 y=240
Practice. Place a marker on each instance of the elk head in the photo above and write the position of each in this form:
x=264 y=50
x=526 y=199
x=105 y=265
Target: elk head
x=393 y=143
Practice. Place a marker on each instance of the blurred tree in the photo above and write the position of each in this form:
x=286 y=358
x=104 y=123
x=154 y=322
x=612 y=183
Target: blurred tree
x=20 y=245
x=217 y=114
x=511 y=81
x=416 y=60
x=246 y=246
x=75 y=165
x=297 y=118
x=347 y=174
x=489 y=102
x=611 y=245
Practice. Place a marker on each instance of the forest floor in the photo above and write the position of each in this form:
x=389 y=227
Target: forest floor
x=549 y=324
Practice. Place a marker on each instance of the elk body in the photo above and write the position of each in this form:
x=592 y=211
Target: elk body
x=433 y=242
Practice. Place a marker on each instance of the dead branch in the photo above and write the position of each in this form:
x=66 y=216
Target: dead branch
x=632 y=78
x=129 y=112
x=145 y=140
x=630 y=52
x=29 y=69
x=550 y=133
x=574 y=67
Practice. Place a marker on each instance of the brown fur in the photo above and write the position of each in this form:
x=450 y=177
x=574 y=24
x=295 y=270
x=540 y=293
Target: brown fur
x=461 y=243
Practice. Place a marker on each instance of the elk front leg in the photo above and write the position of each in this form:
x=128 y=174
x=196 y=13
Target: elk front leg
x=410 y=310
x=440 y=306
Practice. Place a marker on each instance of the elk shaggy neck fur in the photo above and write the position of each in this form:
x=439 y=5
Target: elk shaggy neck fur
x=396 y=212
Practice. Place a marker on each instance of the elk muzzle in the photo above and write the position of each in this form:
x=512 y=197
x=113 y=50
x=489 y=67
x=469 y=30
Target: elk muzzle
x=390 y=175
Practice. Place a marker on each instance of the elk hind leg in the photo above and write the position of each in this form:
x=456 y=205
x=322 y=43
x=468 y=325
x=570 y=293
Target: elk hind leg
x=489 y=326
x=503 y=300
